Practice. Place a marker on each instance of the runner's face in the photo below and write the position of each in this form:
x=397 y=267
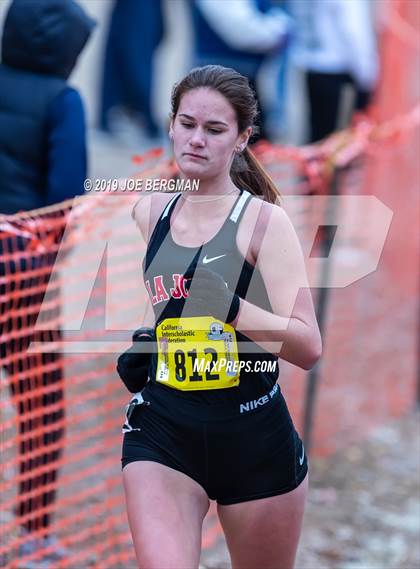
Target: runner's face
x=205 y=133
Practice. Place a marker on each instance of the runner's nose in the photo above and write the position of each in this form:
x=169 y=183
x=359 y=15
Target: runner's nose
x=197 y=138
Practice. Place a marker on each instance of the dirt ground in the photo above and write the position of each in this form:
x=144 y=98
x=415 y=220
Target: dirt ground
x=363 y=507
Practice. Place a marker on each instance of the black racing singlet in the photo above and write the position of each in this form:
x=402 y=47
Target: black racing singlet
x=165 y=261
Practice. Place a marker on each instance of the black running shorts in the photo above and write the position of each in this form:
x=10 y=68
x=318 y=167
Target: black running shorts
x=236 y=452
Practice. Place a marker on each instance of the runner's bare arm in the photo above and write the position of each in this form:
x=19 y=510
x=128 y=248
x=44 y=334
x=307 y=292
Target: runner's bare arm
x=141 y=216
x=293 y=320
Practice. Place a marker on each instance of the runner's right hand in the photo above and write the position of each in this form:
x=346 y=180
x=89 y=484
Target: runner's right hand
x=133 y=364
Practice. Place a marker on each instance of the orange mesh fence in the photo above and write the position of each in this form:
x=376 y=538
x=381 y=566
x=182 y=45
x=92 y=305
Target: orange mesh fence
x=69 y=299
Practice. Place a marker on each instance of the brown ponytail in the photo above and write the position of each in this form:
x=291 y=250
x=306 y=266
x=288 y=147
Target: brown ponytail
x=246 y=171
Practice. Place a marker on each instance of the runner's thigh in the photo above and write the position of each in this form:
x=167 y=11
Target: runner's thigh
x=265 y=533
x=165 y=510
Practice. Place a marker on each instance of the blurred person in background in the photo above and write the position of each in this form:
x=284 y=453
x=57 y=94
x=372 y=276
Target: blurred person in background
x=241 y=35
x=42 y=162
x=136 y=29
x=335 y=46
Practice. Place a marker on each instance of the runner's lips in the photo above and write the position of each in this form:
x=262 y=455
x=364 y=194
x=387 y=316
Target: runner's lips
x=194 y=155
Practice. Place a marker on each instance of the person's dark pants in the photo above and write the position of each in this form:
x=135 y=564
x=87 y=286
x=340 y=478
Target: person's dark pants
x=36 y=379
x=135 y=31
x=324 y=93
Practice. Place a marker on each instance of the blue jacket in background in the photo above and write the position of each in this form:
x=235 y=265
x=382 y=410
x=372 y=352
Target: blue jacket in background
x=210 y=48
x=42 y=122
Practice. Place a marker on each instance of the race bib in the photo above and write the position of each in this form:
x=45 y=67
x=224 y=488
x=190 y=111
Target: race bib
x=197 y=353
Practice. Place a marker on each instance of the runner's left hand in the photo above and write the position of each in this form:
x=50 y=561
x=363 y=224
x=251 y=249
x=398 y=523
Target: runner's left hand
x=208 y=294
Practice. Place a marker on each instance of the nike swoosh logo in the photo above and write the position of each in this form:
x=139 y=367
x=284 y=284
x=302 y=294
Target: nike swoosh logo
x=206 y=260
x=301 y=458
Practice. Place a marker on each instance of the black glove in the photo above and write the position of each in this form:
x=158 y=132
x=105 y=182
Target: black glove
x=209 y=295
x=133 y=364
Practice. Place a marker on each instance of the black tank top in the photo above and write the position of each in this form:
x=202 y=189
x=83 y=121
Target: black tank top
x=165 y=261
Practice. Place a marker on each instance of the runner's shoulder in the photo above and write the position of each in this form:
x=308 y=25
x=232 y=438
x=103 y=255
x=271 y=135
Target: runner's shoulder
x=147 y=210
x=269 y=211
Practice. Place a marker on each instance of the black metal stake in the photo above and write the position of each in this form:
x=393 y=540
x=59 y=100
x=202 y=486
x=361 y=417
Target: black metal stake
x=314 y=376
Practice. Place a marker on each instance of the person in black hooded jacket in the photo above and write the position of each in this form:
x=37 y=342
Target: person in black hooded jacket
x=42 y=162
x=42 y=124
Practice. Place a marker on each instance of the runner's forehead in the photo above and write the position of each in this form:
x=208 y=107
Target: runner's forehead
x=209 y=122
x=206 y=105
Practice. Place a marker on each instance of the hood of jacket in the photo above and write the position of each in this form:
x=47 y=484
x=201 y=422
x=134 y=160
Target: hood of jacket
x=45 y=36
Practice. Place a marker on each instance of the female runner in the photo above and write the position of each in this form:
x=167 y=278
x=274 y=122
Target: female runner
x=228 y=294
